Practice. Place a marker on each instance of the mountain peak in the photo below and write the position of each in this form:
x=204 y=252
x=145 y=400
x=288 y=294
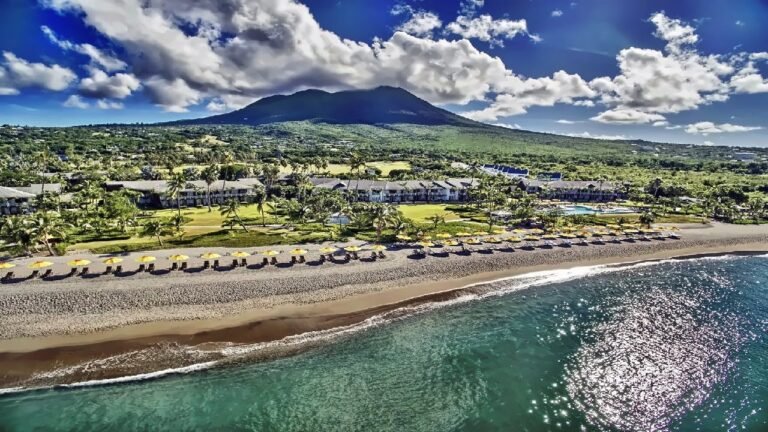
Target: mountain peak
x=380 y=105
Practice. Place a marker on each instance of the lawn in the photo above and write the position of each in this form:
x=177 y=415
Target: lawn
x=385 y=166
x=420 y=212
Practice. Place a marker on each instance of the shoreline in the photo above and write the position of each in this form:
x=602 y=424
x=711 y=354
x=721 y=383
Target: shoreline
x=23 y=358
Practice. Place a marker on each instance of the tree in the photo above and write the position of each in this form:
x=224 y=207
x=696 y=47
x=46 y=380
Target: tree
x=15 y=231
x=158 y=229
x=230 y=211
x=436 y=220
x=647 y=218
x=380 y=216
x=209 y=175
x=260 y=198
x=756 y=207
x=45 y=226
x=176 y=186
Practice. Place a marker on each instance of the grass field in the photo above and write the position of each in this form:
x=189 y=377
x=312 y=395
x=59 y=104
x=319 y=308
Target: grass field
x=420 y=212
x=385 y=166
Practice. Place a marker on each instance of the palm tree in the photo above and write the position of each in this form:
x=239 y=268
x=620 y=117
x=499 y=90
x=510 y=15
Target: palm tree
x=15 y=231
x=176 y=185
x=44 y=226
x=229 y=210
x=157 y=228
x=437 y=220
x=271 y=173
x=209 y=175
x=382 y=216
x=260 y=198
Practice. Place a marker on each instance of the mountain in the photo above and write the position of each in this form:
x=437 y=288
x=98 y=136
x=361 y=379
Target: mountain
x=381 y=105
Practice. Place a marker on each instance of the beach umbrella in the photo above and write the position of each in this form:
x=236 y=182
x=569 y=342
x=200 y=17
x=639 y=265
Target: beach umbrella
x=443 y=236
x=146 y=259
x=78 y=262
x=452 y=243
x=403 y=237
x=299 y=251
x=271 y=253
x=7 y=265
x=600 y=233
x=499 y=231
x=568 y=236
x=514 y=239
x=378 y=248
x=531 y=238
x=674 y=228
x=113 y=260
x=178 y=258
x=353 y=248
x=630 y=231
x=328 y=250
x=537 y=231
x=480 y=233
x=519 y=231
x=240 y=254
x=40 y=264
x=613 y=226
x=464 y=234
x=549 y=237
x=582 y=234
x=474 y=241
x=425 y=244
x=210 y=256
x=495 y=240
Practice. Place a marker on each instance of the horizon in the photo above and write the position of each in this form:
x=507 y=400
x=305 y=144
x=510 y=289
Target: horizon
x=676 y=73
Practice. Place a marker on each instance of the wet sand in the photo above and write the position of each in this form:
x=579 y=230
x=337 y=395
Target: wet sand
x=103 y=319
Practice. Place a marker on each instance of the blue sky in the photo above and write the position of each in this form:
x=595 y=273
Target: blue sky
x=685 y=71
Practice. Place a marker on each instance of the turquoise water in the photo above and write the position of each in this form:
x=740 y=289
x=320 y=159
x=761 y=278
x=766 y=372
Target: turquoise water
x=675 y=346
x=586 y=210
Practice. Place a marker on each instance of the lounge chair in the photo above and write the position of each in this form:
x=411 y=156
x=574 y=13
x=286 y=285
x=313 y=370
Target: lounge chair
x=206 y=264
x=215 y=264
x=235 y=263
x=174 y=266
x=8 y=276
x=108 y=270
x=72 y=272
x=85 y=271
x=274 y=261
x=151 y=268
x=381 y=254
x=118 y=269
x=34 y=274
x=323 y=258
x=294 y=260
x=183 y=266
x=142 y=268
x=302 y=260
x=265 y=261
x=374 y=256
x=244 y=262
x=46 y=274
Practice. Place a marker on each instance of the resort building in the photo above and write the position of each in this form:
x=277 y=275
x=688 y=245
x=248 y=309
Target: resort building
x=154 y=193
x=21 y=199
x=406 y=191
x=506 y=171
x=576 y=191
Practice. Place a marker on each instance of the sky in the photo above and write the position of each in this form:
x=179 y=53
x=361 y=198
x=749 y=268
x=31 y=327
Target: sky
x=682 y=71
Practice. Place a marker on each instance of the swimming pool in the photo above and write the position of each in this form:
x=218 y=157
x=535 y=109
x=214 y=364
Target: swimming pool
x=574 y=210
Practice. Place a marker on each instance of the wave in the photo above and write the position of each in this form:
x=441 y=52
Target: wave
x=482 y=290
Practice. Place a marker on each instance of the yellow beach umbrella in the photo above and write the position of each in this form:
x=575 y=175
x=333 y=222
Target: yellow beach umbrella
x=271 y=253
x=7 y=265
x=443 y=236
x=613 y=226
x=514 y=239
x=493 y=240
x=451 y=243
x=210 y=255
x=631 y=231
x=537 y=231
x=378 y=248
x=113 y=260
x=78 y=262
x=146 y=259
x=568 y=236
x=404 y=237
x=328 y=250
x=178 y=258
x=549 y=237
x=426 y=244
x=40 y=264
x=464 y=234
x=480 y=233
x=499 y=231
x=519 y=231
x=474 y=241
x=240 y=254
x=353 y=248
x=299 y=252
x=531 y=238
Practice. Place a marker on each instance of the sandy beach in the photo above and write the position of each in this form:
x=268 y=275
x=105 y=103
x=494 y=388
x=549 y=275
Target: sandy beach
x=73 y=320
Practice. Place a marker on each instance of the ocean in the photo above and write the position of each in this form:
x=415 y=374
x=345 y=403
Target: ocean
x=674 y=345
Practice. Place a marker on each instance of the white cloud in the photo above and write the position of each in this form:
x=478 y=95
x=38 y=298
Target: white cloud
x=109 y=105
x=173 y=96
x=487 y=29
x=708 y=143
x=420 y=23
x=75 y=101
x=705 y=128
x=105 y=61
x=598 y=136
x=557 y=13
x=100 y=85
x=17 y=73
x=660 y=123
x=740 y=23
x=508 y=125
x=674 y=127
x=675 y=32
x=568 y=122
x=627 y=116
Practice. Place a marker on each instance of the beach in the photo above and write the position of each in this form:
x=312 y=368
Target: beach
x=74 y=320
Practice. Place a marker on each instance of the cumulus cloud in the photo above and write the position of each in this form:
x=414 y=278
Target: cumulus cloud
x=627 y=116
x=557 y=13
x=75 y=101
x=487 y=29
x=100 y=85
x=17 y=73
x=420 y=23
x=508 y=125
x=106 y=61
x=598 y=136
x=705 y=128
x=174 y=95
x=567 y=122
x=109 y=105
